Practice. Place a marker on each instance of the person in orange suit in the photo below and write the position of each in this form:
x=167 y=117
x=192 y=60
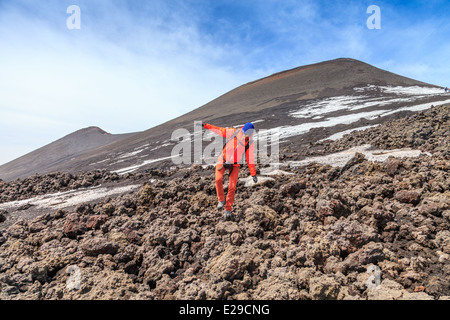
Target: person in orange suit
x=239 y=141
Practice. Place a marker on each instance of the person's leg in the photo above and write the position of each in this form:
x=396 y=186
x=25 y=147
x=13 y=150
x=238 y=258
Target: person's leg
x=219 y=183
x=232 y=188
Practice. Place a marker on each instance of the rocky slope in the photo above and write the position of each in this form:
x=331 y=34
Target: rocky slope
x=362 y=231
x=426 y=131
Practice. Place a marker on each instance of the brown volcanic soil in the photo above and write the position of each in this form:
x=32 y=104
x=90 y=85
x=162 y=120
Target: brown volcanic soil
x=325 y=79
x=314 y=234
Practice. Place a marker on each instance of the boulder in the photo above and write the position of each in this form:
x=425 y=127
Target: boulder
x=96 y=246
x=408 y=196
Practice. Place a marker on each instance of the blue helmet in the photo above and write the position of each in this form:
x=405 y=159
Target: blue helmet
x=248 y=128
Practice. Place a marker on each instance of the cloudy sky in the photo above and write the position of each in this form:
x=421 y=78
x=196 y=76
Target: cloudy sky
x=136 y=64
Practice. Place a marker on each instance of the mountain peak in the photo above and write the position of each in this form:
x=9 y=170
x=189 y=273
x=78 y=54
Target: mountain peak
x=91 y=129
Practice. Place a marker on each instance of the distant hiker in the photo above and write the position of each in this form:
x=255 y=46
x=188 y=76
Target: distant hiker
x=238 y=141
x=446 y=89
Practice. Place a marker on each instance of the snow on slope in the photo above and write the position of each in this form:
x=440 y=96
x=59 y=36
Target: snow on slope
x=339 y=159
x=361 y=100
x=70 y=198
x=135 y=167
x=391 y=96
x=369 y=102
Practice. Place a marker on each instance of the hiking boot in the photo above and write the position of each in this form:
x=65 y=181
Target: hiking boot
x=227 y=215
x=221 y=205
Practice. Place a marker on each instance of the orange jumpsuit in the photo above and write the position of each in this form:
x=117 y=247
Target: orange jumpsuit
x=231 y=156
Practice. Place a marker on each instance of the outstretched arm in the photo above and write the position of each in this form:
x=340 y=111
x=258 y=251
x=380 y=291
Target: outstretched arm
x=224 y=132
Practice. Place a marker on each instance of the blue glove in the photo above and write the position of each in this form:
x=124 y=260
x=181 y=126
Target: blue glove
x=255 y=179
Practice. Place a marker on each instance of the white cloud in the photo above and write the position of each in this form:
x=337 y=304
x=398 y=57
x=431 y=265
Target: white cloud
x=113 y=73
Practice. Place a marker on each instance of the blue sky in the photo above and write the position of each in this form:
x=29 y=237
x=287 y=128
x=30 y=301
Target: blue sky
x=136 y=64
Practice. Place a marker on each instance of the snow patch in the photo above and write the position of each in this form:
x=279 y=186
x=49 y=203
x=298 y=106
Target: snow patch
x=339 y=159
x=135 y=167
x=69 y=198
x=274 y=172
x=399 y=94
x=131 y=154
x=168 y=144
x=265 y=176
x=248 y=182
x=290 y=131
x=326 y=106
x=93 y=164
x=401 y=90
x=414 y=90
